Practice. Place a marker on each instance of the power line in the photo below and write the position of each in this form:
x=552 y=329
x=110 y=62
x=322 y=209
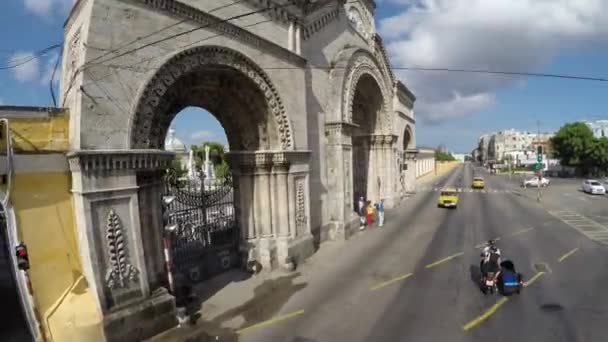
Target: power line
x=37 y=54
x=159 y=31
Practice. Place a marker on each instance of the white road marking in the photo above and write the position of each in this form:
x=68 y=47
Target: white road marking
x=586 y=226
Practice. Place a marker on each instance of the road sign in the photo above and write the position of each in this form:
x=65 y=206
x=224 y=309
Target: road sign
x=537 y=166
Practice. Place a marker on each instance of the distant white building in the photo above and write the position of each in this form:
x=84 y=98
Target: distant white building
x=598 y=127
x=513 y=144
x=459 y=156
x=173 y=144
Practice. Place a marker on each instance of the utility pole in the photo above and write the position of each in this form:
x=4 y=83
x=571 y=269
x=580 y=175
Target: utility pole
x=540 y=171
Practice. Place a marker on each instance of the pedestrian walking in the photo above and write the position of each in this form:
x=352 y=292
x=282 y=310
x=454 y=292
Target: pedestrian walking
x=361 y=212
x=380 y=209
x=370 y=213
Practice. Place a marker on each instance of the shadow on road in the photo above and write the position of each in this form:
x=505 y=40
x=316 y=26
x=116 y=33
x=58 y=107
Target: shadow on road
x=475 y=274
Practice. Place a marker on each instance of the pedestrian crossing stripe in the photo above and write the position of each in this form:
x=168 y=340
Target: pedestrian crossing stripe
x=586 y=226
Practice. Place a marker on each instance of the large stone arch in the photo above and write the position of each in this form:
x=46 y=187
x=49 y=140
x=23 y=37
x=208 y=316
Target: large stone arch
x=155 y=107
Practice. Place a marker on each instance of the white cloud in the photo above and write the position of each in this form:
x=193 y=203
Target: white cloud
x=27 y=67
x=46 y=8
x=502 y=35
x=202 y=135
x=48 y=71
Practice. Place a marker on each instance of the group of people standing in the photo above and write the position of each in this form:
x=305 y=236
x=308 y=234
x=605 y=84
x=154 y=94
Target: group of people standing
x=369 y=212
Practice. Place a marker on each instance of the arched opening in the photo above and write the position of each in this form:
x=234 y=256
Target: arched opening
x=367 y=107
x=205 y=240
x=407 y=138
x=211 y=217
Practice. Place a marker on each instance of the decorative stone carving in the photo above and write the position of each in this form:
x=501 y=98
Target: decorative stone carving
x=320 y=23
x=110 y=160
x=120 y=272
x=339 y=133
x=355 y=18
x=301 y=219
x=148 y=115
x=226 y=28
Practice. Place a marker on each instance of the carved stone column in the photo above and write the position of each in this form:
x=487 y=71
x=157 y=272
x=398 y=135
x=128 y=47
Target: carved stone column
x=339 y=180
x=119 y=255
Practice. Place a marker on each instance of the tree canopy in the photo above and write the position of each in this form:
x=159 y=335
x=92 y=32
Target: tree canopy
x=443 y=156
x=574 y=145
x=216 y=156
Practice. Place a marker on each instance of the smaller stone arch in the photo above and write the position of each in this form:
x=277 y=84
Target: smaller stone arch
x=408 y=137
x=153 y=113
x=363 y=66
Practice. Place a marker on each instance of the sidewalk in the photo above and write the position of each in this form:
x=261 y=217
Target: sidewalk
x=442 y=169
x=236 y=301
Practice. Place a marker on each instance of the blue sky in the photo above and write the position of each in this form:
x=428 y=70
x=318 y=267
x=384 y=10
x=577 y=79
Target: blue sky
x=453 y=109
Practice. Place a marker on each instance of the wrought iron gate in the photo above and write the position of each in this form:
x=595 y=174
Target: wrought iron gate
x=205 y=242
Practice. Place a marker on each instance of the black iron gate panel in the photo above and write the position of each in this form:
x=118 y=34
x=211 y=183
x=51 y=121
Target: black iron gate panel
x=205 y=242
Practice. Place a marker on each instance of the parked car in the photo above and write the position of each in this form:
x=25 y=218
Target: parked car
x=594 y=187
x=533 y=182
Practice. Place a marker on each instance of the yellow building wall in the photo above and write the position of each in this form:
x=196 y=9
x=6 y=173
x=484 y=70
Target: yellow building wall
x=42 y=203
x=39 y=134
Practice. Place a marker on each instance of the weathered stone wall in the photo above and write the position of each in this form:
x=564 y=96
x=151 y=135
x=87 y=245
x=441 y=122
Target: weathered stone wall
x=111 y=86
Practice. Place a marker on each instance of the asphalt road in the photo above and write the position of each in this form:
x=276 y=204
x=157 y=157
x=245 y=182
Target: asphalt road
x=413 y=280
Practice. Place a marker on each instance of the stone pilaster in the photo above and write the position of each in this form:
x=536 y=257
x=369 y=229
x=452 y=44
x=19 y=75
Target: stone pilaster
x=274 y=237
x=339 y=178
x=118 y=252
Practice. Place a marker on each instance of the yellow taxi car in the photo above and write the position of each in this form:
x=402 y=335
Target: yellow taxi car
x=448 y=198
x=478 y=183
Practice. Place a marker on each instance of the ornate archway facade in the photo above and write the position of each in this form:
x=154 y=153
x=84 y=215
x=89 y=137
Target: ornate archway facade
x=302 y=140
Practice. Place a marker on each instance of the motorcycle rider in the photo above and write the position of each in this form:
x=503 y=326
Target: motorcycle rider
x=490 y=258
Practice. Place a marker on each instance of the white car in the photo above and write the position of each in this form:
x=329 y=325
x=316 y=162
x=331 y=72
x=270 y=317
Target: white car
x=533 y=182
x=594 y=187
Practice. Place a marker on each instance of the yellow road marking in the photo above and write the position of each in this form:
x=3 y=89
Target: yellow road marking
x=533 y=279
x=473 y=323
x=563 y=257
x=271 y=321
x=394 y=280
x=522 y=231
x=444 y=260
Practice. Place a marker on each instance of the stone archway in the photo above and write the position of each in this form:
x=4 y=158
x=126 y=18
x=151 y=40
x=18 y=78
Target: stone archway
x=118 y=193
x=247 y=105
x=367 y=111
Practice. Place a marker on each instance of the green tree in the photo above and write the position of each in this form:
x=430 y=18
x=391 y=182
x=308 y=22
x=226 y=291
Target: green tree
x=443 y=156
x=596 y=157
x=216 y=156
x=572 y=144
x=178 y=168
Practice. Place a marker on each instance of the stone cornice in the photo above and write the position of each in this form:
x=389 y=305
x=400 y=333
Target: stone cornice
x=267 y=159
x=220 y=26
x=317 y=24
x=113 y=160
x=404 y=95
x=381 y=54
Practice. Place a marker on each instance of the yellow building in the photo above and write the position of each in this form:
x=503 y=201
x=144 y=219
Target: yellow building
x=38 y=211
